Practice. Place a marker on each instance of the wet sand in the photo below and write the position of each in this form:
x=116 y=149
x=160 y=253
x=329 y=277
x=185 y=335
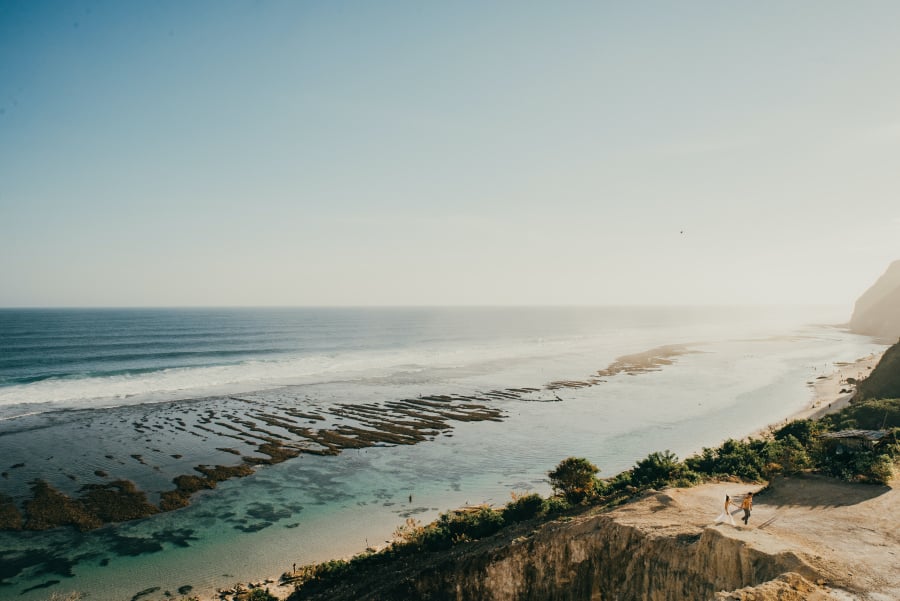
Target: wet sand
x=831 y=390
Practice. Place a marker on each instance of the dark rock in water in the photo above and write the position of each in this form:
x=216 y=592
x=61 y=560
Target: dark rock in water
x=268 y=512
x=46 y=584
x=253 y=527
x=184 y=590
x=220 y=473
x=877 y=311
x=179 y=537
x=145 y=592
x=49 y=508
x=132 y=546
x=40 y=562
x=10 y=517
x=117 y=501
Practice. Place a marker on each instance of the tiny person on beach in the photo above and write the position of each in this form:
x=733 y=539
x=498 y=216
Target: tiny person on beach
x=747 y=505
x=726 y=514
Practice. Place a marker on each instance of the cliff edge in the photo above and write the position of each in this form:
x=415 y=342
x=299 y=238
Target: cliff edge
x=877 y=311
x=808 y=538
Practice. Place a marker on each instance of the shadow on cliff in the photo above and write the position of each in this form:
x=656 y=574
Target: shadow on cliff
x=817 y=491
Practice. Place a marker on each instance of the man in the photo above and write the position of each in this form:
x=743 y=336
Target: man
x=747 y=505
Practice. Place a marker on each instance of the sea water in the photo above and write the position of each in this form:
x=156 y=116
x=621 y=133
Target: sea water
x=73 y=382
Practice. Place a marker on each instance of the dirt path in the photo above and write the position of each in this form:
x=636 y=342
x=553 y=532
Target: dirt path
x=849 y=534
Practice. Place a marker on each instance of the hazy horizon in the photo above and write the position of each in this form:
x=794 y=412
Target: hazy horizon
x=225 y=154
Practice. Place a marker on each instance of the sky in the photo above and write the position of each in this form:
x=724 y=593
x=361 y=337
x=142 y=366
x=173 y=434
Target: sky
x=454 y=153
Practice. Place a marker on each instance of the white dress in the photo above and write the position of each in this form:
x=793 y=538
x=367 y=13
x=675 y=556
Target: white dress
x=725 y=516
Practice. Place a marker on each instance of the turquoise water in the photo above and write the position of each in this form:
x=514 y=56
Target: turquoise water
x=748 y=368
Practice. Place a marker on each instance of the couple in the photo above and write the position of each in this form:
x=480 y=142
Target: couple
x=746 y=505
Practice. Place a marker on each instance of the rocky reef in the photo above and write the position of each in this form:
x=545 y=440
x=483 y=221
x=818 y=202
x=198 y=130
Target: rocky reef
x=195 y=444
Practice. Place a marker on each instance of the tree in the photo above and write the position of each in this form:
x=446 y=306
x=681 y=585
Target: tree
x=659 y=469
x=573 y=478
x=259 y=594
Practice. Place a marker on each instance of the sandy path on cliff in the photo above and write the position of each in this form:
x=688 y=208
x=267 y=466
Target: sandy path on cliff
x=849 y=534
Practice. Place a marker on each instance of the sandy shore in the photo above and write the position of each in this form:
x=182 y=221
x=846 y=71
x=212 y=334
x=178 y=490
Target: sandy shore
x=831 y=391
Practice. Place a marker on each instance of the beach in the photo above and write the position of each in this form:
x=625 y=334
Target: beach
x=830 y=391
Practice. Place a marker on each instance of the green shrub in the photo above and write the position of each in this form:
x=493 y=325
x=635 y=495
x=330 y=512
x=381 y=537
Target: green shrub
x=523 y=508
x=618 y=483
x=574 y=478
x=259 y=594
x=804 y=431
x=865 y=415
x=745 y=460
x=557 y=504
x=661 y=469
x=458 y=526
x=788 y=453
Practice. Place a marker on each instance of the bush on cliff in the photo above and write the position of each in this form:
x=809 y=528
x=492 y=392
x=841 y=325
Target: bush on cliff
x=873 y=414
x=259 y=594
x=524 y=508
x=574 y=478
x=804 y=431
x=662 y=469
x=733 y=458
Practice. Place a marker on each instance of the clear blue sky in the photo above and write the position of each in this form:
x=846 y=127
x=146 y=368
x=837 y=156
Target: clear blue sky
x=356 y=153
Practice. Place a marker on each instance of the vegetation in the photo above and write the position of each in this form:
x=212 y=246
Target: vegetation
x=574 y=478
x=662 y=469
x=259 y=594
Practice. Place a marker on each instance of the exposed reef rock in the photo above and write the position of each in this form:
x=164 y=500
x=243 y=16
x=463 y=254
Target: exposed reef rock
x=232 y=436
x=877 y=312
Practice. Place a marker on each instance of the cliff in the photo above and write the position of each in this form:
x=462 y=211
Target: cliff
x=664 y=546
x=877 y=311
x=884 y=381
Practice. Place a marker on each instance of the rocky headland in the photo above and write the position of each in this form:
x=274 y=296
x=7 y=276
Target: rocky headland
x=877 y=311
x=810 y=537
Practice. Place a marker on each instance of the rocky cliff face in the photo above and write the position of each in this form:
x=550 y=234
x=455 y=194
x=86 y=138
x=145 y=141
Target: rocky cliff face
x=598 y=558
x=637 y=552
x=877 y=312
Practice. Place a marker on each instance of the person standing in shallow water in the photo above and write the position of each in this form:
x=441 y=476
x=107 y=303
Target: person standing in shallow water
x=747 y=505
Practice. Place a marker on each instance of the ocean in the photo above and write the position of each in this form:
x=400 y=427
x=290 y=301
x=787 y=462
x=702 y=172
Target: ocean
x=391 y=413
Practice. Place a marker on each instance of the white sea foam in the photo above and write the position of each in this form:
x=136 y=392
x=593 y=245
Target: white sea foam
x=468 y=353
x=193 y=382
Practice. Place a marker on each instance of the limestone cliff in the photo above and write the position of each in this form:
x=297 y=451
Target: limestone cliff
x=663 y=547
x=884 y=381
x=877 y=312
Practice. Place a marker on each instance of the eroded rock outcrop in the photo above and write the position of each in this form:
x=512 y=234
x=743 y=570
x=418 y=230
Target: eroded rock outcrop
x=600 y=557
x=877 y=312
x=646 y=550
